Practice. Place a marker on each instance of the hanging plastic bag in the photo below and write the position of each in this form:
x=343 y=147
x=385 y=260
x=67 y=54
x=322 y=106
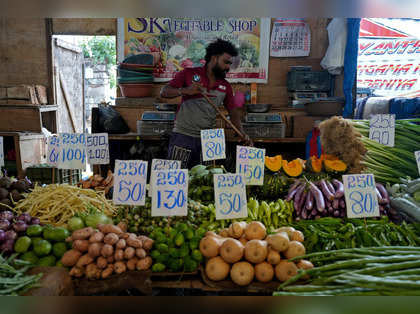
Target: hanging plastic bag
x=110 y=120
x=333 y=60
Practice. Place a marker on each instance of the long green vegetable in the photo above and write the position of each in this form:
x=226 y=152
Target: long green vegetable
x=13 y=280
x=359 y=271
x=388 y=164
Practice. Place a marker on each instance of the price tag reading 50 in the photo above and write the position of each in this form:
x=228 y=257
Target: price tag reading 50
x=170 y=193
x=213 y=144
x=250 y=163
x=360 y=194
x=230 y=196
x=130 y=182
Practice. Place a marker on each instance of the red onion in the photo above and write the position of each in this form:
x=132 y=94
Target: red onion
x=35 y=221
x=4 y=224
x=7 y=246
x=7 y=214
x=25 y=217
x=2 y=236
x=11 y=235
x=20 y=226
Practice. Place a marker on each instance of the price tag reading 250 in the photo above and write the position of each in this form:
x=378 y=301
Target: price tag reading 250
x=213 y=144
x=170 y=193
x=230 y=196
x=130 y=182
x=360 y=194
x=250 y=163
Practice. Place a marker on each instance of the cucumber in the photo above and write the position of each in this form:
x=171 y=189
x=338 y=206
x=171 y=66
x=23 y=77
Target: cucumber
x=406 y=206
x=412 y=188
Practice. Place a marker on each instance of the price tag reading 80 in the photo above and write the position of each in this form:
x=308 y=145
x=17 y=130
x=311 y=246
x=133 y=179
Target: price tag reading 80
x=170 y=193
x=230 y=196
x=97 y=148
x=161 y=164
x=213 y=144
x=72 y=151
x=130 y=182
x=360 y=194
x=250 y=163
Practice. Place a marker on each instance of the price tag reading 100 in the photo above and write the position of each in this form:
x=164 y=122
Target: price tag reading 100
x=230 y=196
x=360 y=194
x=130 y=182
x=250 y=163
x=72 y=151
x=170 y=193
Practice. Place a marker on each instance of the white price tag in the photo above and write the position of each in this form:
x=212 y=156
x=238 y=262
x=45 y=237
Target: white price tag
x=130 y=182
x=161 y=164
x=53 y=150
x=250 y=163
x=97 y=148
x=72 y=151
x=230 y=196
x=382 y=129
x=417 y=155
x=1 y=152
x=213 y=145
x=170 y=193
x=360 y=194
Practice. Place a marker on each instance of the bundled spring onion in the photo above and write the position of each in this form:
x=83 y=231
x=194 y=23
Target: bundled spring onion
x=387 y=270
x=388 y=164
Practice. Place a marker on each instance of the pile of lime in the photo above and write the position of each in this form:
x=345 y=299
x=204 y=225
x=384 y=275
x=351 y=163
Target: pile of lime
x=43 y=245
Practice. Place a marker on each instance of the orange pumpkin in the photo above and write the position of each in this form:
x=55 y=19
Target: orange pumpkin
x=314 y=164
x=273 y=163
x=335 y=166
x=293 y=168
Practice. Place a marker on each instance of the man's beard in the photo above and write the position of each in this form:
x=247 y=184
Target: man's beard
x=218 y=72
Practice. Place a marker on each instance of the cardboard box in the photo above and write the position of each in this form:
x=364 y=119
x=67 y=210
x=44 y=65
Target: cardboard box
x=303 y=124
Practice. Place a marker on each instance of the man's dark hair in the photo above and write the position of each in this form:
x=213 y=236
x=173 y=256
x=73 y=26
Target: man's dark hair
x=219 y=47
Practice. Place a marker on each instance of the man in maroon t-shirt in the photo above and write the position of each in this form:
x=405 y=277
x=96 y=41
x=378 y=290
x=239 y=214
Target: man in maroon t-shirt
x=195 y=113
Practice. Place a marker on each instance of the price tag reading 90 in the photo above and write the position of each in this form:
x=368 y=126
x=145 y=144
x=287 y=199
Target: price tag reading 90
x=360 y=195
x=170 y=193
x=130 y=182
x=230 y=196
x=72 y=151
x=213 y=144
x=97 y=148
x=250 y=163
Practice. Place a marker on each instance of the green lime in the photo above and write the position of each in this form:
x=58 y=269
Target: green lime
x=42 y=248
x=34 y=231
x=59 y=249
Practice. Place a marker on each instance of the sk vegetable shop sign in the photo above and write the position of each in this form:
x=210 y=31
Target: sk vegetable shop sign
x=180 y=43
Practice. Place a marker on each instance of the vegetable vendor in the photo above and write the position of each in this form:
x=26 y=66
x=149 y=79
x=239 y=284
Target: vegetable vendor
x=195 y=113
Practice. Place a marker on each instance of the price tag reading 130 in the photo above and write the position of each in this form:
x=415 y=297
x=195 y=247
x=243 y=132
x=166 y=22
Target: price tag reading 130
x=230 y=196
x=250 y=163
x=360 y=194
x=213 y=144
x=382 y=129
x=170 y=193
x=130 y=182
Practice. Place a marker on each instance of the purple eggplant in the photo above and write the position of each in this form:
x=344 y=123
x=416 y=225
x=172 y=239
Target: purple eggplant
x=304 y=214
x=20 y=226
x=309 y=202
x=4 y=224
x=342 y=203
x=319 y=198
x=339 y=188
x=336 y=213
x=10 y=235
x=7 y=214
x=2 y=236
x=302 y=199
x=35 y=221
x=331 y=211
x=336 y=203
x=292 y=192
x=314 y=212
x=383 y=192
x=328 y=195
x=317 y=217
x=330 y=187
x=298 y=194
x=7 y=246
x=25 y=217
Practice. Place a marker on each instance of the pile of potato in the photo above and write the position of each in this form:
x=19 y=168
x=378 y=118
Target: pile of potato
x=99 y=253
x=245 y=251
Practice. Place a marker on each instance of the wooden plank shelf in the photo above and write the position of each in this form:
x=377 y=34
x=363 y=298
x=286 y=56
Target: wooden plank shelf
x=138 y=137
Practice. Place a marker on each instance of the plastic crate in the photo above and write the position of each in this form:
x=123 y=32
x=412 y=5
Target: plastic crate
x=44 y=175
x=265 y=130
x=154 y=128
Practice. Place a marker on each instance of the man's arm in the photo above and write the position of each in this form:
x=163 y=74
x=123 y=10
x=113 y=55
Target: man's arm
x=168 y=91
x=235 y=116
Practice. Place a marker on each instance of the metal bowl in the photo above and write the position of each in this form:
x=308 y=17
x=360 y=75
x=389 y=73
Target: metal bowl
x=165 y=107
x=258 y=108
